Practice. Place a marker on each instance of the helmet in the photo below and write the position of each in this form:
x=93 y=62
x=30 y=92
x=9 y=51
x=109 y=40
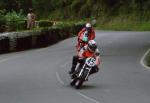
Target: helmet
x=92 y=46
x=88 y=26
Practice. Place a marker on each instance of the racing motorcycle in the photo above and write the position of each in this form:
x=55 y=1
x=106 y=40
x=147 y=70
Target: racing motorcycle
x=83 y=73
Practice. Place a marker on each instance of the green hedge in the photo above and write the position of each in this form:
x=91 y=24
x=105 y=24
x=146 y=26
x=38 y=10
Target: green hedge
x=2 y=21
x=16 y=25
x=45 y=23
x=39 y=37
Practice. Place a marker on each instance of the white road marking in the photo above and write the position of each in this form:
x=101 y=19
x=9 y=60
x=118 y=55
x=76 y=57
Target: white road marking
x=57 y=75
x=78 y=93
x=142 y=60
x=59 y=79
x=86 y=97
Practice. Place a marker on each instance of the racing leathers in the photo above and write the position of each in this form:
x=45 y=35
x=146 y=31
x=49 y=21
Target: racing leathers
x=81 y=57
x=84 y=33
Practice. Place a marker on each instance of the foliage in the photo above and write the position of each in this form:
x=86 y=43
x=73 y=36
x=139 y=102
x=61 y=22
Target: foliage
x=2 y=4
x=145 y=26
x=123 y=22
x=13 y=19
x=85 y=11
x=2 y=21
x=2 y=18
x=42 y=7
x=78 y=8
x=81 y=9
x=45 y=23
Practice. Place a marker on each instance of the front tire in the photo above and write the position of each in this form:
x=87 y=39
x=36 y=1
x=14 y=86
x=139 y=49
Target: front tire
x=84 y=74
x=73 y=82
x=78 y=84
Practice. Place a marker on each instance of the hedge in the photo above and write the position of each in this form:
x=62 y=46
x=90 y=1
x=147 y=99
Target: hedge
x=16 y=41
x=45 y=23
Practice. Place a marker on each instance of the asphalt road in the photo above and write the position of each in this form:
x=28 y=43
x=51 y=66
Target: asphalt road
x=41 y=75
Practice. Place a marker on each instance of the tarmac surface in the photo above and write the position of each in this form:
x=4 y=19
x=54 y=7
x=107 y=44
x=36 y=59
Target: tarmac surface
x=41 y=75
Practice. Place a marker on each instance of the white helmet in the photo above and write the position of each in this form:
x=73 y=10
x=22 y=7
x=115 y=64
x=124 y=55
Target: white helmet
x=92 y=45
x=88 y=25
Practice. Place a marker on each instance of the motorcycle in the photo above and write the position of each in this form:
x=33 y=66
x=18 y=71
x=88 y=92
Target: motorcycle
x=83 y=73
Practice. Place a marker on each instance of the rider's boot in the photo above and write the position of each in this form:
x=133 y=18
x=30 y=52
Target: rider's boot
x=72 y=69
x=74 y=63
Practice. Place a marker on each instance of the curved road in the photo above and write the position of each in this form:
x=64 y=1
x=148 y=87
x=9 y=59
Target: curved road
x=40 y=76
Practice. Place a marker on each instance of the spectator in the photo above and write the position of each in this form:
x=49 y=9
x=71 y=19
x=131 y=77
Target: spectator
x=30 y=19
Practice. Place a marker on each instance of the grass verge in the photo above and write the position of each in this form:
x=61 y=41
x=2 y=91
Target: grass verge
x=123 y=23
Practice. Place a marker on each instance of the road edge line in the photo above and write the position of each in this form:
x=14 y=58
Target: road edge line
x=78 y=93
x=143 y=59
x=86 y=97
x=59 y=79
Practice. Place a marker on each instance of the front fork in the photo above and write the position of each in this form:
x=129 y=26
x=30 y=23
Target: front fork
x=82 y=73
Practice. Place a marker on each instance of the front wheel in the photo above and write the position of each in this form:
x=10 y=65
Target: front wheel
x=78 y=84
x=85 y=74
x=73 y=81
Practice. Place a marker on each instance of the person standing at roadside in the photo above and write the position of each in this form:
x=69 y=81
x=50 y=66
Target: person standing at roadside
x=30 y=19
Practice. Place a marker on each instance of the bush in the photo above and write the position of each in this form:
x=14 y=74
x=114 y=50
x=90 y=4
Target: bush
x=13 y=19
x=85 y=11
x=45 y=23
x=76 y=5
x=21 y=25
x=2 y=18
x=2 y=21
x=145 y=26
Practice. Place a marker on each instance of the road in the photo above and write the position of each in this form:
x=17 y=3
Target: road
x=41 y=75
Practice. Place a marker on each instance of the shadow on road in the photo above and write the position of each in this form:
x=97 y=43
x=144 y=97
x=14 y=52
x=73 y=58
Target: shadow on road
x=85 y=86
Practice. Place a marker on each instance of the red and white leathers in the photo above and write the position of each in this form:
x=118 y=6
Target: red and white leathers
x=85 y=53
x=81 y=57
x=81 y=34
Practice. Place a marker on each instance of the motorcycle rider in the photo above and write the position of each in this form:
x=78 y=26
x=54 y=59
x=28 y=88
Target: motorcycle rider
x=86 y=34
x=90 y=50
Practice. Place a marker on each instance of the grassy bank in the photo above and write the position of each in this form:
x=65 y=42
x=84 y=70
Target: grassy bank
x=123 y=23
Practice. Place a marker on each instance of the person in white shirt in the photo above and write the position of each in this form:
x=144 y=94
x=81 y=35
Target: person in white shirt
x=30 y=19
